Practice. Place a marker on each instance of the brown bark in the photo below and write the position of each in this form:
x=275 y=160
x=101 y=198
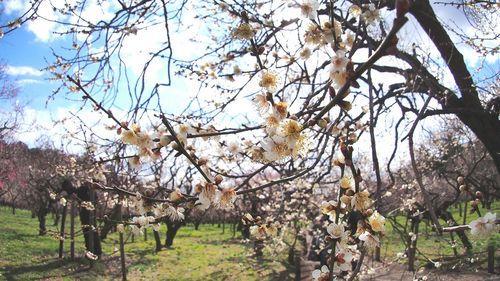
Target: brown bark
x=448 y=217
x=485 y=124
x=172 y=228
x=62 y=232
x=41 y=222
x=156 y=235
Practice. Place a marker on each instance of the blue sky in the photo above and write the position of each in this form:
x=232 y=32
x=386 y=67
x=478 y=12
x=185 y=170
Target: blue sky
x=20 y=50
x=27 y=50
x=31 y=48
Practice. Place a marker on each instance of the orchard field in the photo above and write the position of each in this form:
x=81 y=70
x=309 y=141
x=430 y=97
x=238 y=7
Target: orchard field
x=204 y=254
x=211 y=253
x=324 y=140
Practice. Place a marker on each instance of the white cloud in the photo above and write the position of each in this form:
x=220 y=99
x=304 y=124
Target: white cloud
x=13 y=6
x=24 y=82
x=23 y=70
x=47 y=25
x=62 y=125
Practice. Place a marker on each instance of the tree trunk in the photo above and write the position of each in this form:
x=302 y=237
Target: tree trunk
x=109 y=224
x=172 y=228
x=56 y=217
x=72 y=230
x=41 y=222
x=92 y=238
x=448 y=217
x=412 y=245
x=258 y=247
x=122 y=245
x=245 y=230
x=62 y=235
x=467 y=108
x=156 y=235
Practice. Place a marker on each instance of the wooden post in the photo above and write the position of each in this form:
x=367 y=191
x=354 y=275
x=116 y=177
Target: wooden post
x=72 y=230
x=122 y=248
x=156 y=235
x=91 y=226
x=145 y=234
x=62 y=235
x=377 y=254
x=412 y=245
x=491 y=259
x=465 y=212
x=455 y=252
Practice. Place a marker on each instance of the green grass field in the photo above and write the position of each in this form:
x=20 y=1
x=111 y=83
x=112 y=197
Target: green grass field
x=204 y=254
x=438 y=248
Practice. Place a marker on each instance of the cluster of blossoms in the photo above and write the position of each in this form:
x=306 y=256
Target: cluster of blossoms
x=328 y=33
x=483 y=226
x=210 y=195
x=244 y=31
x=149 y=213
x=149 y=144
x=371 y=15
x=351 y=220
x=143 y=140
x=285 y=136
x=340 y=69
x=322 y=35
x=261 y=229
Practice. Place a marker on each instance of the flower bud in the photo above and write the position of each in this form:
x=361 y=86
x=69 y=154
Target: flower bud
x=218 y=179
x=460 y=180
x=462 y=188
x=165 y=140
x=345 y=182
x=322 y=123
x=479 y=194
x=198 y=187
x=346 y=199
x=345 y=105
x=149 y=192
x=473 y=204
x=202 y=161
x=344 y=149
x=311 y=122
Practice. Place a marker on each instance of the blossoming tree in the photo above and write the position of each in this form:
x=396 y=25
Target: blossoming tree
x=320 y=74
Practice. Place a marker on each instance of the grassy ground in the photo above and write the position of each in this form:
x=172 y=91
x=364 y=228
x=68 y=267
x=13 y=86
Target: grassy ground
x=204 y=254
x=438 y=248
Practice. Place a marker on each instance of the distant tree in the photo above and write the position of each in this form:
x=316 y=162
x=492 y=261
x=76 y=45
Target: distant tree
x=320 y=75
x=10 y=110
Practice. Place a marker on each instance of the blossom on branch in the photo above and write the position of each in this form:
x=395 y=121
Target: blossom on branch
x=483 y=225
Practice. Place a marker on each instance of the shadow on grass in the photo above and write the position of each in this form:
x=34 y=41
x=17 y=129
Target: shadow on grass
x=48 y=269
x=79 y=268
x=229 y=241
x=16 y=234
x=260 y=265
